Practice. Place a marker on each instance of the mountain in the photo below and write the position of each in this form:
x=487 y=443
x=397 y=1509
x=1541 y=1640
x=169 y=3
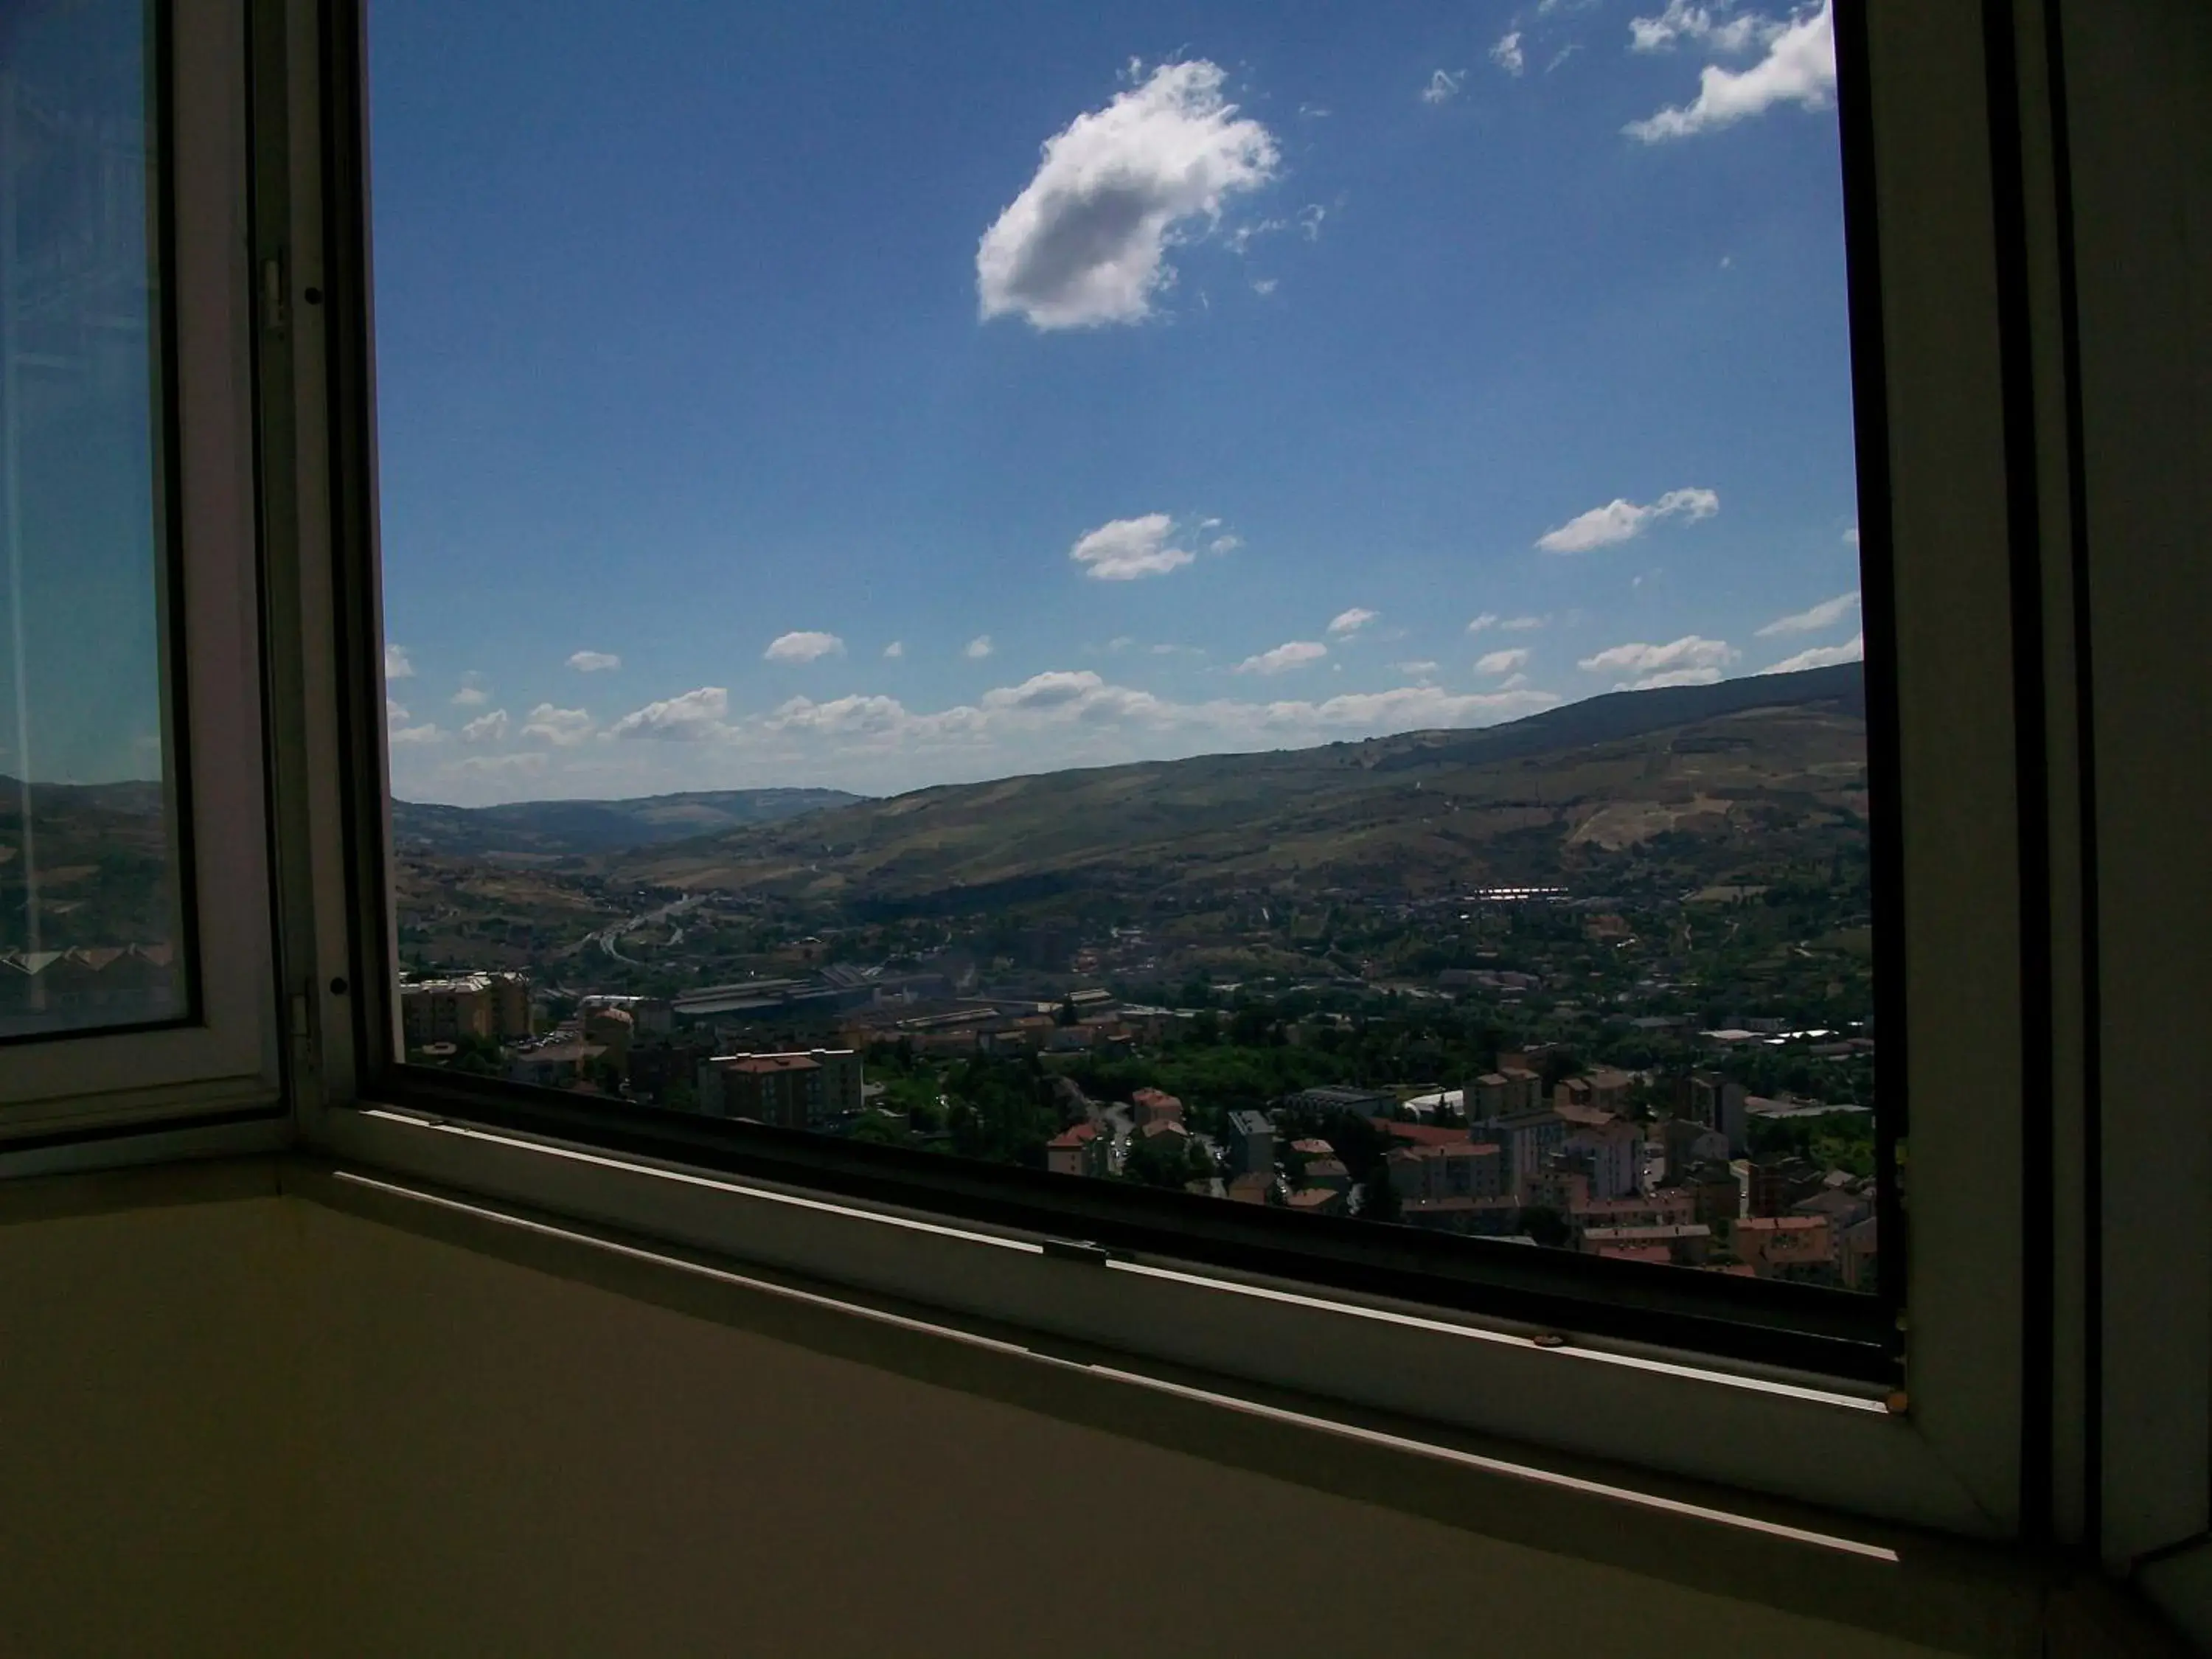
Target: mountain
x=105 y=870
x=535 y=831
x=1703 y=779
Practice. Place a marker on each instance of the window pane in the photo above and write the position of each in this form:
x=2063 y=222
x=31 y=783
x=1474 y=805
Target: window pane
x=1251 y=600
x=91 y=877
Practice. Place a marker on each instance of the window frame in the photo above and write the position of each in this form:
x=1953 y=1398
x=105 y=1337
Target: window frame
x=223 y=1055
x=1931 y=349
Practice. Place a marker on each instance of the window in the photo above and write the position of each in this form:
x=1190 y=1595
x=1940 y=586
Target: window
x=1002 y=598
x=135 y=978
x=93 y=891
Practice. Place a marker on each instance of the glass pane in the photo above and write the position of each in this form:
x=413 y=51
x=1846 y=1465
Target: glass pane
x=1258 y=600
x=91 y=879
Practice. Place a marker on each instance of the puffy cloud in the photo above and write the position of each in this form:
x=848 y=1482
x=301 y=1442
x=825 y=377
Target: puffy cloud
x=1502 y=662
x=1672 y=676
x=1621 y=520
x=1852 y=535
x=1086 y=242
x=1506 y=54
x=850 y=716
x=895 y=650
x=1224 y=544
x=1826 y=614
x=1059 y=718
x=1823 y=656
x=1294 y=654
x=594 y=662
x=412 y=736
x=1487 y=619
x=1352 y=620
x=397 y=664
x=1690 y=660
x=394 y=715
x=1799 y=68
x=487 y=728
x=693 y=716
x=562 y=727
x=1124 y=550
x=1443 y=86
x=1705 y=26
x=803 y=647
x=978 y=648
x=469 y=696
x=1418 y=671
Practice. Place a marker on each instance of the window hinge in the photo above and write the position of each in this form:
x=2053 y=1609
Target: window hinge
x=303 y=1031
x=274 y=313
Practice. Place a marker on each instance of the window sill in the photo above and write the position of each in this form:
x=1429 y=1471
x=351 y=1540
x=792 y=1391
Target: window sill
x=1804 y=1440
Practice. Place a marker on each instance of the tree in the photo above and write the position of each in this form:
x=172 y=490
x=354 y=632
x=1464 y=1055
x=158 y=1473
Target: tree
x=1544 y=1225
x=1378 y=1199
x=1067 y=1015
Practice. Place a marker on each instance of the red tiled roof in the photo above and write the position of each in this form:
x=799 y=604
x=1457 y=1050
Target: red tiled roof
x=1420 y=1135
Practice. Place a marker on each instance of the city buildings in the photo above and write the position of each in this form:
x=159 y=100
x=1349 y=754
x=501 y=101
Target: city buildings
x=793 y=1091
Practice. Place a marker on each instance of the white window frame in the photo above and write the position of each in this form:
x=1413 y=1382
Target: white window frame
x=1947 y=1455
x=228 y=1058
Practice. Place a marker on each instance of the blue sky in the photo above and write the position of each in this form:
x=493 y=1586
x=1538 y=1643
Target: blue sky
x=879 y=396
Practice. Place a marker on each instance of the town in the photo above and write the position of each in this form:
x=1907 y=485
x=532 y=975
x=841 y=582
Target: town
x=1588 y=1073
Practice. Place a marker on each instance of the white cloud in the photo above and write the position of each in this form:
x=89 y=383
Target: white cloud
x=978 y=648
x=1690 y=660
x=1086 y=242
x=1621 y=520
x=409 y=736
x=1443 y=86
x=594 y=662
x=397 y=664
x=1852 y=535
x=1513 y=682
x=564 y=728
x=1419 y=670
x=487 y=728
x=1823 y=656
x=1521 y=624
x=1506 y=54
x=1826 y=614
x=469 y=696
x=1707 y=26
x=694 y=715
x=803 y=647
x=1672 y=676
x=1352 y=620
x=895 y=650
x=1125 y=550
x=394 y=715
x=1488 y=619
x=1294 y=654
x=1799 y=68
x=1263 y=286
x=875 y=742
x=1502 y=662
x=1224 y=544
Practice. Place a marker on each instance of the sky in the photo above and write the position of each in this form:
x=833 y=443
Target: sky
x=877 y=395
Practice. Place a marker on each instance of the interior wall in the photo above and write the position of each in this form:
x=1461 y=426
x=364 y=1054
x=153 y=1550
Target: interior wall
x=146 y=1370
x=264 y=1426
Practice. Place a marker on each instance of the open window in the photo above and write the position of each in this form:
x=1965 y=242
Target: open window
x=135 y=913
